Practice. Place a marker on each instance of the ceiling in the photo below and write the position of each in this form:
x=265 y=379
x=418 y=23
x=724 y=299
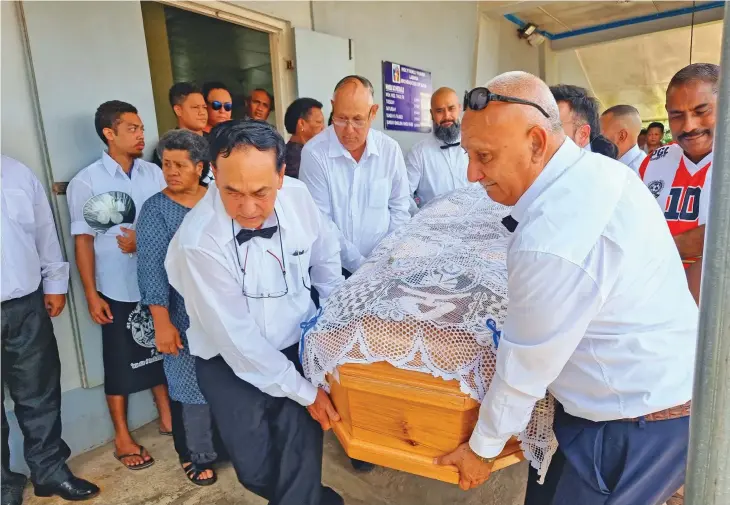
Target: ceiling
x=632 y=70
x=637 y=70
x=559 y=19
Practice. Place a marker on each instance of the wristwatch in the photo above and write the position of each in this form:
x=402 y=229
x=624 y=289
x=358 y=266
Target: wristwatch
x=482 y=458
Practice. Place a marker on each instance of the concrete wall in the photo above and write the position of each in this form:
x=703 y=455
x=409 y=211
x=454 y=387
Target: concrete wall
x=501 y=50
x=21 y=139
x=436 y=36
x=566 y=67
x=25 y=136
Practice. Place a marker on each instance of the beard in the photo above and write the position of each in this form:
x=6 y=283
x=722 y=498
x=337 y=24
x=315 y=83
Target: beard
x=447 y=134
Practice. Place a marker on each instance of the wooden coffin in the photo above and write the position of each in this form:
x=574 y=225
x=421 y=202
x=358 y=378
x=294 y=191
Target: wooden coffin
x=402 y=419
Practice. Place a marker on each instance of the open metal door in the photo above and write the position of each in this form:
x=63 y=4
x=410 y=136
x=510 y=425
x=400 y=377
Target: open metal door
x=321 y=61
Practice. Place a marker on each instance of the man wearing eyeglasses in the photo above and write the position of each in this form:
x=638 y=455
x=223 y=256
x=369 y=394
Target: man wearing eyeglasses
x=220 y=104
x=356 y=175
x=438 y=164
x=599 y=313
x=245 y=259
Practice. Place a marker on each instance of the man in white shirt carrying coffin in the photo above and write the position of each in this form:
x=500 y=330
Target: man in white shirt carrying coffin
x=242 y=260
x=599 y=314
x=356 y=174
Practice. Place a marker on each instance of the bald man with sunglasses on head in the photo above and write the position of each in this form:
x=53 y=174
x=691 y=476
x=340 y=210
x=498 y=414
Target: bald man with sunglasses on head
x=599 y=313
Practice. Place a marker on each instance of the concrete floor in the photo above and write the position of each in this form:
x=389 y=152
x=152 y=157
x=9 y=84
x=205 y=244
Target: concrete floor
x=165 y=484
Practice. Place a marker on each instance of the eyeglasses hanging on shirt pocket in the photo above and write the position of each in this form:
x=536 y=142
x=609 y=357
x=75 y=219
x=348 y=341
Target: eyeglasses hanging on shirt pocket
x=298 y=253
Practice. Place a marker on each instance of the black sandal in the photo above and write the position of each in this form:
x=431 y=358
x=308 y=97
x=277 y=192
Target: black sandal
x=142 y=453
x=193 y=471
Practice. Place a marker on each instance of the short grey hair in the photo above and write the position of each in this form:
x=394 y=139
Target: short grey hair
x=358 y=78
x=184 y=140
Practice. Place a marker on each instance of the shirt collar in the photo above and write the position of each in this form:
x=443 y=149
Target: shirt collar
x=221 y=229
x=112 y=166
x=631 y=155
x=568 y=154
x=336 y=149
x=440 y=142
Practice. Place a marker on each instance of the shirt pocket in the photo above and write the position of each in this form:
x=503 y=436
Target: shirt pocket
x=19 y=206
x=297 y=266
x=379 y=193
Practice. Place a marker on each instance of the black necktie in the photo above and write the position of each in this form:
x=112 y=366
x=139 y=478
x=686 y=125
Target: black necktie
x=246 y=235
x=446 y=146
x=510 y=223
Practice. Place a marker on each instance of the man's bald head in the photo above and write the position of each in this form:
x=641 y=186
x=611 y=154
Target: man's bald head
x=442 y=94
x=353 y=109
x=529 y=87
x=445 y=112
x=621 y=124
x=509 y=144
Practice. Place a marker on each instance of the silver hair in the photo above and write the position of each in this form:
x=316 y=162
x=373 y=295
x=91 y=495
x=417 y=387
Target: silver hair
x=358 y=78
x=185 y=140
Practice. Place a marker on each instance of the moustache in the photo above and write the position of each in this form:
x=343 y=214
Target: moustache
x=693 y=133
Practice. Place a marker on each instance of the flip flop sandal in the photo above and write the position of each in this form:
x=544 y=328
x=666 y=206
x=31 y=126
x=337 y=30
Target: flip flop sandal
x=194 y=471
x=165 y=433
x=146 y=464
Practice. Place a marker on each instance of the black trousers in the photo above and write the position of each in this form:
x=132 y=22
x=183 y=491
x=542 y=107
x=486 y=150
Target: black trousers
x=274 y=444
x=31 y=370
x=179 y=436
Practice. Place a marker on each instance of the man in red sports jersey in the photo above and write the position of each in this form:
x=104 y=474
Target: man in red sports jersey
x=679 y=174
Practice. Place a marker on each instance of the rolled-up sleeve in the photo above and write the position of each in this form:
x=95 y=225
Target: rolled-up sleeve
x=551 y=303
x=79 y=191
x=218 y=309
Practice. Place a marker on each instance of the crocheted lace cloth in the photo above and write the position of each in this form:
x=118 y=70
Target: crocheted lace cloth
x=431 y=298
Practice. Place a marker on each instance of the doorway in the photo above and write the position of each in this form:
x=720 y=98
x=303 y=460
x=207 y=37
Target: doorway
x=187 y=46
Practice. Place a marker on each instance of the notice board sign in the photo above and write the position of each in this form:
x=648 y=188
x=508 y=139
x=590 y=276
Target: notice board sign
x=407 y=98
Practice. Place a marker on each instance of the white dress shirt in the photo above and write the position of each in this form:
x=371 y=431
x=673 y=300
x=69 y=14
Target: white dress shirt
x=599 y=309
x=30 y=249
x=205 y=264
x=433 y=171
x=633 y=158
x=116 y=272
x=365 y=200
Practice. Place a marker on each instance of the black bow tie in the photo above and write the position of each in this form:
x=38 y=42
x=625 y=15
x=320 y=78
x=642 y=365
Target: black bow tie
x=510 y=223
x=455 y=144
x=246 y=235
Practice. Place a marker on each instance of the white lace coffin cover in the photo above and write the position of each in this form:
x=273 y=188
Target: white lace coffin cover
x=431 y=298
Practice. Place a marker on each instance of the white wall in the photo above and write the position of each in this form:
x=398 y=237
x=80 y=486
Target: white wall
x=83 y=54
x=21 y=139
x=86 y=422
x=500 y=50
x=297 y=13
x=436 y=36
x=566 y=67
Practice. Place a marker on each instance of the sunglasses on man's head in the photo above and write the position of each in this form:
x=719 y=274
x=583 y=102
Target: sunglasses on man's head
x=216 y=105
x=479 y=98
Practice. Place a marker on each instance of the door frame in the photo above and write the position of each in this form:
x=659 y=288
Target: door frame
x=278 y=30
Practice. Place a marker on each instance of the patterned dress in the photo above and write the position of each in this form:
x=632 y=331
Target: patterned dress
x=157 y=223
